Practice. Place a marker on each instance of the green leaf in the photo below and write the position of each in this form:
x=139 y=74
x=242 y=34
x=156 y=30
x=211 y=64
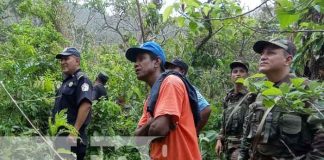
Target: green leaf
x=48 y=85
x=151 y=5
x=285 y=4
x=268 y=102
x=297 y=82
x=220 y=63
x=298 y=101
x=181 y=21
x=304 y=24
x=167 y=12
x=252 y=88
x=320 y=3
x=286 y=19
x=295 y=94
x=258 y=84
x=246 y=82
x=176 y=6
x=240 y=80
x=313 y=85
x=258 y=75
x=268 y=84
x=286 y=13
x=284 y=87
x=298 y=104
x=194 y=3
x=193 y=25
x=273 y=91
x=206 y=9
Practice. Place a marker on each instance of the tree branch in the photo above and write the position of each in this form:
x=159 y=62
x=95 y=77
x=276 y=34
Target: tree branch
x=140 y=19
x=205 y=40
x=240 y=15
x=268 y=9
x=209 y=27
x=116 y=29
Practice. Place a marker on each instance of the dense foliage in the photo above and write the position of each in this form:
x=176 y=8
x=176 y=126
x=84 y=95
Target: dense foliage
x=208 y=35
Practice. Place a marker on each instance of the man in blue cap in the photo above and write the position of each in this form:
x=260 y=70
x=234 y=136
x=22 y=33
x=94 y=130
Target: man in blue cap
x=171 y=117
x=75 y=95
x=204 y=109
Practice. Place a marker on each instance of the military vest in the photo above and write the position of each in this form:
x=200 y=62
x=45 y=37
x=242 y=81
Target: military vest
x=236 y=121
x=284 y=134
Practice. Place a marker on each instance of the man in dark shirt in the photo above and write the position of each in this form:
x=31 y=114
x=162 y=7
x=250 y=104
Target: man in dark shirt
x=75 y=95
x=203 y=106
x=99 y=89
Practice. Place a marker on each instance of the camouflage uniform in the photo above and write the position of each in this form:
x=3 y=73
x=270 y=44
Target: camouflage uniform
x=231 y=136
x=285 y=134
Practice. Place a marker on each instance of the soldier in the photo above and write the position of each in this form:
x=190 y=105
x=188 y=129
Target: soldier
x=204 y=109
x=235 y=106
x=276 y=132
x=75 y=95
x=99 y=90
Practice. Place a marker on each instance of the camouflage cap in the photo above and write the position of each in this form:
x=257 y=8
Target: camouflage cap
x=285 y=44
x=239 y=63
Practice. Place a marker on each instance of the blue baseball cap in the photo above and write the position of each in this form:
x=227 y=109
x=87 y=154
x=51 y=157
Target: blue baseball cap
x=68 y=52
x=147 y=47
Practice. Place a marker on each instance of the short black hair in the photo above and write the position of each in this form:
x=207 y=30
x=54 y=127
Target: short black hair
x=154 y=57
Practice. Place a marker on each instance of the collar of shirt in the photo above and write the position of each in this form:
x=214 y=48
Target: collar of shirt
x=286 y=79
x=67 y=77
x=241 y=92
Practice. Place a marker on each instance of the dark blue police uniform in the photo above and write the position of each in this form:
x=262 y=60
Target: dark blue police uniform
x=75 y=89
x=99 y=91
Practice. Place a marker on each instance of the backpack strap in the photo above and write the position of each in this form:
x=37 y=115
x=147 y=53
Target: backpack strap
x=259 y=129
x=227 y=97
x=154 y=93
x=235 y=110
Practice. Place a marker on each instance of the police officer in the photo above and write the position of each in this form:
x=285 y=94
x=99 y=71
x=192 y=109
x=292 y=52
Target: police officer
x=75 y=95
x=235 y=106
x=99 y=89
x=276 y=132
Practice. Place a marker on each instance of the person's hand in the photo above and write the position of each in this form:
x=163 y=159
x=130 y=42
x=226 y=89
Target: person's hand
x=71 y=139
x=151 y=119
x=319 y=141
x=219 y=147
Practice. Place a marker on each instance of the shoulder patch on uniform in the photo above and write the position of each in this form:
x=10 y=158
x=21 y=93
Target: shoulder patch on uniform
x=85 y=87
x=80 y=75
